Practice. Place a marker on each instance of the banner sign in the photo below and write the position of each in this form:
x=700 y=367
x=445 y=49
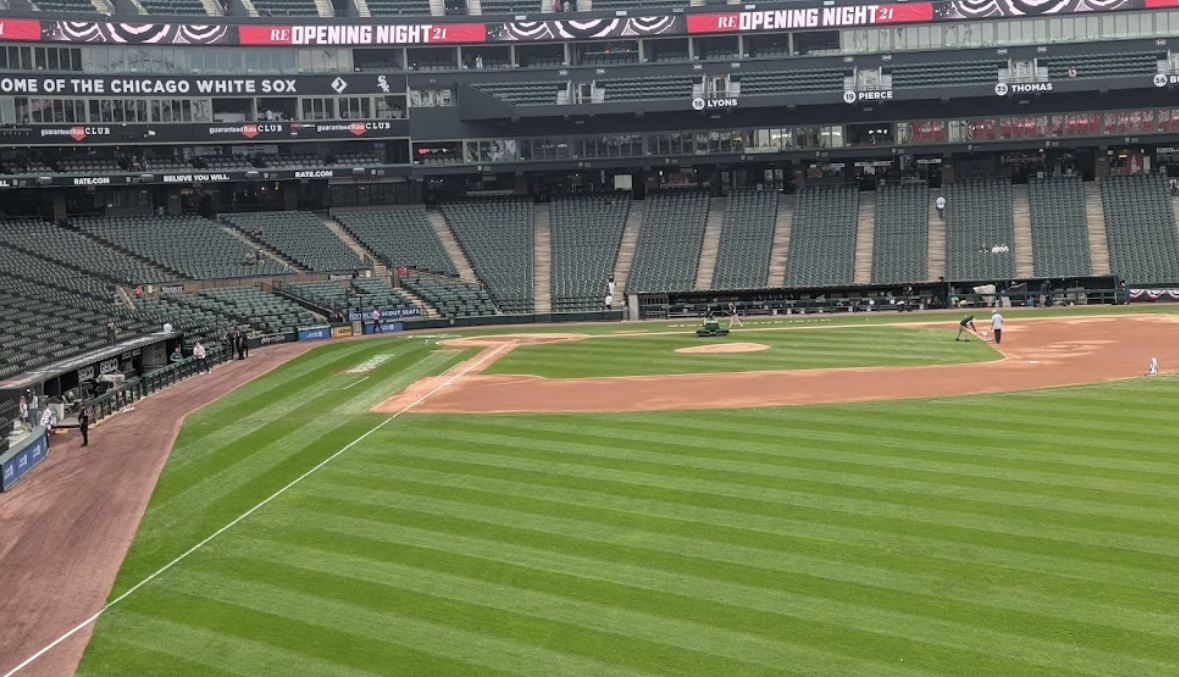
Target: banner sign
x=374 y=34
x=315 y=333
x=363 y=35
x=342 y=331
x=1154 y=294
x=200 y=133
x=842 y=16
x=140 y=86
x=273 y=339
x=386 y=327
x=586 y=29
x=400 y=313
x=18 y=461
x=195 y=177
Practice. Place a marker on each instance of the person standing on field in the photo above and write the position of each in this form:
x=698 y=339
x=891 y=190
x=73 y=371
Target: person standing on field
x=377 y=328
x=198 y=351
x=84 y=423
x=997 y=326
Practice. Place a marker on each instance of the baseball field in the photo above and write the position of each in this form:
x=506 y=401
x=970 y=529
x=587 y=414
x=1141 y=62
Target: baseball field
x=832 y=499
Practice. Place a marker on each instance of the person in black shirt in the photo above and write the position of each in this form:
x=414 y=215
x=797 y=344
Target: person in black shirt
x=84 y=423
x=967 y=323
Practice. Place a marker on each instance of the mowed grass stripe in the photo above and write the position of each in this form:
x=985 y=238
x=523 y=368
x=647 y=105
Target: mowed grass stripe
x=819 y=527
x=708 y=595
x=544 y=615
x=239 y=653
x=424 y=608
x=810 y=349
x=699 y=456
x=1149 y=553
x=260 y=461
x=350 y=641
x=860 y=467
x=801 y=560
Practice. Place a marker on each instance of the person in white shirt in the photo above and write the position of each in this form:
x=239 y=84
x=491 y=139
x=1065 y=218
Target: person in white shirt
x=34 y=414
x=167 y=327
x=609 y=301
x=997 y=326
x=49 y=420
x=198 y=351
x=941 y=206
x=377 y=329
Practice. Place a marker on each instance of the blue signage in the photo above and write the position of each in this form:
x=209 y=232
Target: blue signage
x=412 y=311
x=315 y=333
x=386 y=327
x=17 y=462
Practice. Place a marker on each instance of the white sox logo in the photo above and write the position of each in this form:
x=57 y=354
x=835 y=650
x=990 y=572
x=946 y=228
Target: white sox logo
x=383 y=83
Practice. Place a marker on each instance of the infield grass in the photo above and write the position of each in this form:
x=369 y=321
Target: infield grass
x=639 y=355
x=1023 y=535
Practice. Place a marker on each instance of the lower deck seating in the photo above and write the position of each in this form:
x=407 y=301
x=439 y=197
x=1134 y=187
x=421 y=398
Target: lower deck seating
x=979 y=217
x=823 y=237
x=743 y=256
x=498 y=237
x=586 y=235
x=452 y=298
x=1140 y=228
x=670 y=239
x=1060 y=233
x=900 y=244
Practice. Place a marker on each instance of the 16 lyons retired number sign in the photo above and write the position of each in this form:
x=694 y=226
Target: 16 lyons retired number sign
x=699 y=103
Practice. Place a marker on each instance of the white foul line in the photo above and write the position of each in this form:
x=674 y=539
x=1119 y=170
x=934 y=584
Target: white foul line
x=355 y=382
x=79 y=627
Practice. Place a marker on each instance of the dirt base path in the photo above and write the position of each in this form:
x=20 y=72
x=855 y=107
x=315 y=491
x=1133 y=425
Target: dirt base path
x=1040 y=353
x=67 y=527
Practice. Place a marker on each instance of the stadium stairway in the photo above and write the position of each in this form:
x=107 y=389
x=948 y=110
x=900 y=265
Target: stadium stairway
x=379 y=268
x=937 y=237
x=1095 y=222
x=323 y=8
x=1022 y=220
x=711 y=245
x=265 y=249
x=364 y=12
x=430 y=308
x=865 y=237
x=461 y=263
x=212 y=8
x=542 y=259
x=626 y=251
x=781 y=246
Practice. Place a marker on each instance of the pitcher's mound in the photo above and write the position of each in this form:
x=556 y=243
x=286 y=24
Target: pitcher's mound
x=715 y=348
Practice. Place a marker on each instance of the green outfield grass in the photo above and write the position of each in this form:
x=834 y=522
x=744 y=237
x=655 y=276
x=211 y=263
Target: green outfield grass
x=849 y=346
x=1023 y=535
